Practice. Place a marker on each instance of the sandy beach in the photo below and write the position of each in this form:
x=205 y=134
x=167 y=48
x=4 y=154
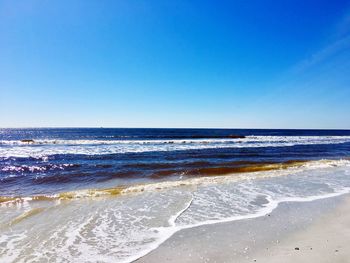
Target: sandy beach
x=316 y=231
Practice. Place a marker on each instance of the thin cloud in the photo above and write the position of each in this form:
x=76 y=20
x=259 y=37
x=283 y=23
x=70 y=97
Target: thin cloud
x=341 y=42
x=324 y=54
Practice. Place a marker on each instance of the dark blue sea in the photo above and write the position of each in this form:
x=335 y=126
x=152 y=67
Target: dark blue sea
x=114 y=195
x=46 y=161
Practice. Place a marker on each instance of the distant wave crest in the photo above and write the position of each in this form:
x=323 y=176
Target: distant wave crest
x=41 y=148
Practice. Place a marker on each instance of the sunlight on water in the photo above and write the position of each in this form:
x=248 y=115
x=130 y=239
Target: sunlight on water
x=122 y=228
x=72 y=195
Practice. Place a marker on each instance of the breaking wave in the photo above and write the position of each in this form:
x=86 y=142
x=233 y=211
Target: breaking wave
x=91 y=224
x=221 y=176
x=42 y=148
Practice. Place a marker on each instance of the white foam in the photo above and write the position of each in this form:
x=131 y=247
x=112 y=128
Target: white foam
x=273 y=204
x=42 y=148
x=267 y=209
x=128 y=227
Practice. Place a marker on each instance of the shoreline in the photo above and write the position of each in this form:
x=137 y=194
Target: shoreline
x=266 y=170
x=311 y=231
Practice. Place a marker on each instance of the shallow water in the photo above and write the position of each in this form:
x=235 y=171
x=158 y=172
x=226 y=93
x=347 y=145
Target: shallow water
x=120 y=218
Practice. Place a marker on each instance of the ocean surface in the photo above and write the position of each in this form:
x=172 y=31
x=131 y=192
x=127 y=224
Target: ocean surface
x=114 y=195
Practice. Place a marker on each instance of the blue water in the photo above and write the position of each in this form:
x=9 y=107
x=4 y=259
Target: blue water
x=129 y=190
x=57 y=160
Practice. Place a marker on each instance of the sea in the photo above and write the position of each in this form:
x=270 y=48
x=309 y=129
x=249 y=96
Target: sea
x=114 y=195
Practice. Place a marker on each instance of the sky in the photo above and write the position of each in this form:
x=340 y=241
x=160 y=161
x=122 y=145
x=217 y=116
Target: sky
x=210 y=64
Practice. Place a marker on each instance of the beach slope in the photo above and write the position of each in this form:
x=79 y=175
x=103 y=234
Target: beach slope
x=316 y=231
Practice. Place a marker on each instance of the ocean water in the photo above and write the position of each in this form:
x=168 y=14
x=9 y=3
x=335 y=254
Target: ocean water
x=114 y=195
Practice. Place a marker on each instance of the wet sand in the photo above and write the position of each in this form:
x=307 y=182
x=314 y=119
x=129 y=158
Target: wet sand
x=316 y=231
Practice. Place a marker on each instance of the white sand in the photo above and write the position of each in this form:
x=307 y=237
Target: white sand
x=328 y=240
x=320 y=229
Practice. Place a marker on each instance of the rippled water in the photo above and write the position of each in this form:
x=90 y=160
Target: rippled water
x=113 y=195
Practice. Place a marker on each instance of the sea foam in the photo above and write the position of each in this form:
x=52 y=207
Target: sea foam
x=126 y=226
x=43 y=148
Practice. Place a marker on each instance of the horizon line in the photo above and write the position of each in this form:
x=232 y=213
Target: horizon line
x=182 y=128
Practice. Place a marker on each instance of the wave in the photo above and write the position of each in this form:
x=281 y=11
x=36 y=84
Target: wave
x=126 y=228
x=210 y=176
x=187 y=140
x=36 y=168
x=44 y=148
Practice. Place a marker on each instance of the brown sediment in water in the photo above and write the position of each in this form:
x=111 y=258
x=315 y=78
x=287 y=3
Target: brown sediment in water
x=229 y=168
x=65 y=195
x=43 y=198
x=91 y=193
x=244 y=163
x=256 y=167
x=114 y=191
x=193 y=177
x=19 y=199
x=25 y=215
x=4 y=199
x=175 y=166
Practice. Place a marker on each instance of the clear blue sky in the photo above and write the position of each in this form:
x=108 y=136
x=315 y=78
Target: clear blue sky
x=233 y=64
